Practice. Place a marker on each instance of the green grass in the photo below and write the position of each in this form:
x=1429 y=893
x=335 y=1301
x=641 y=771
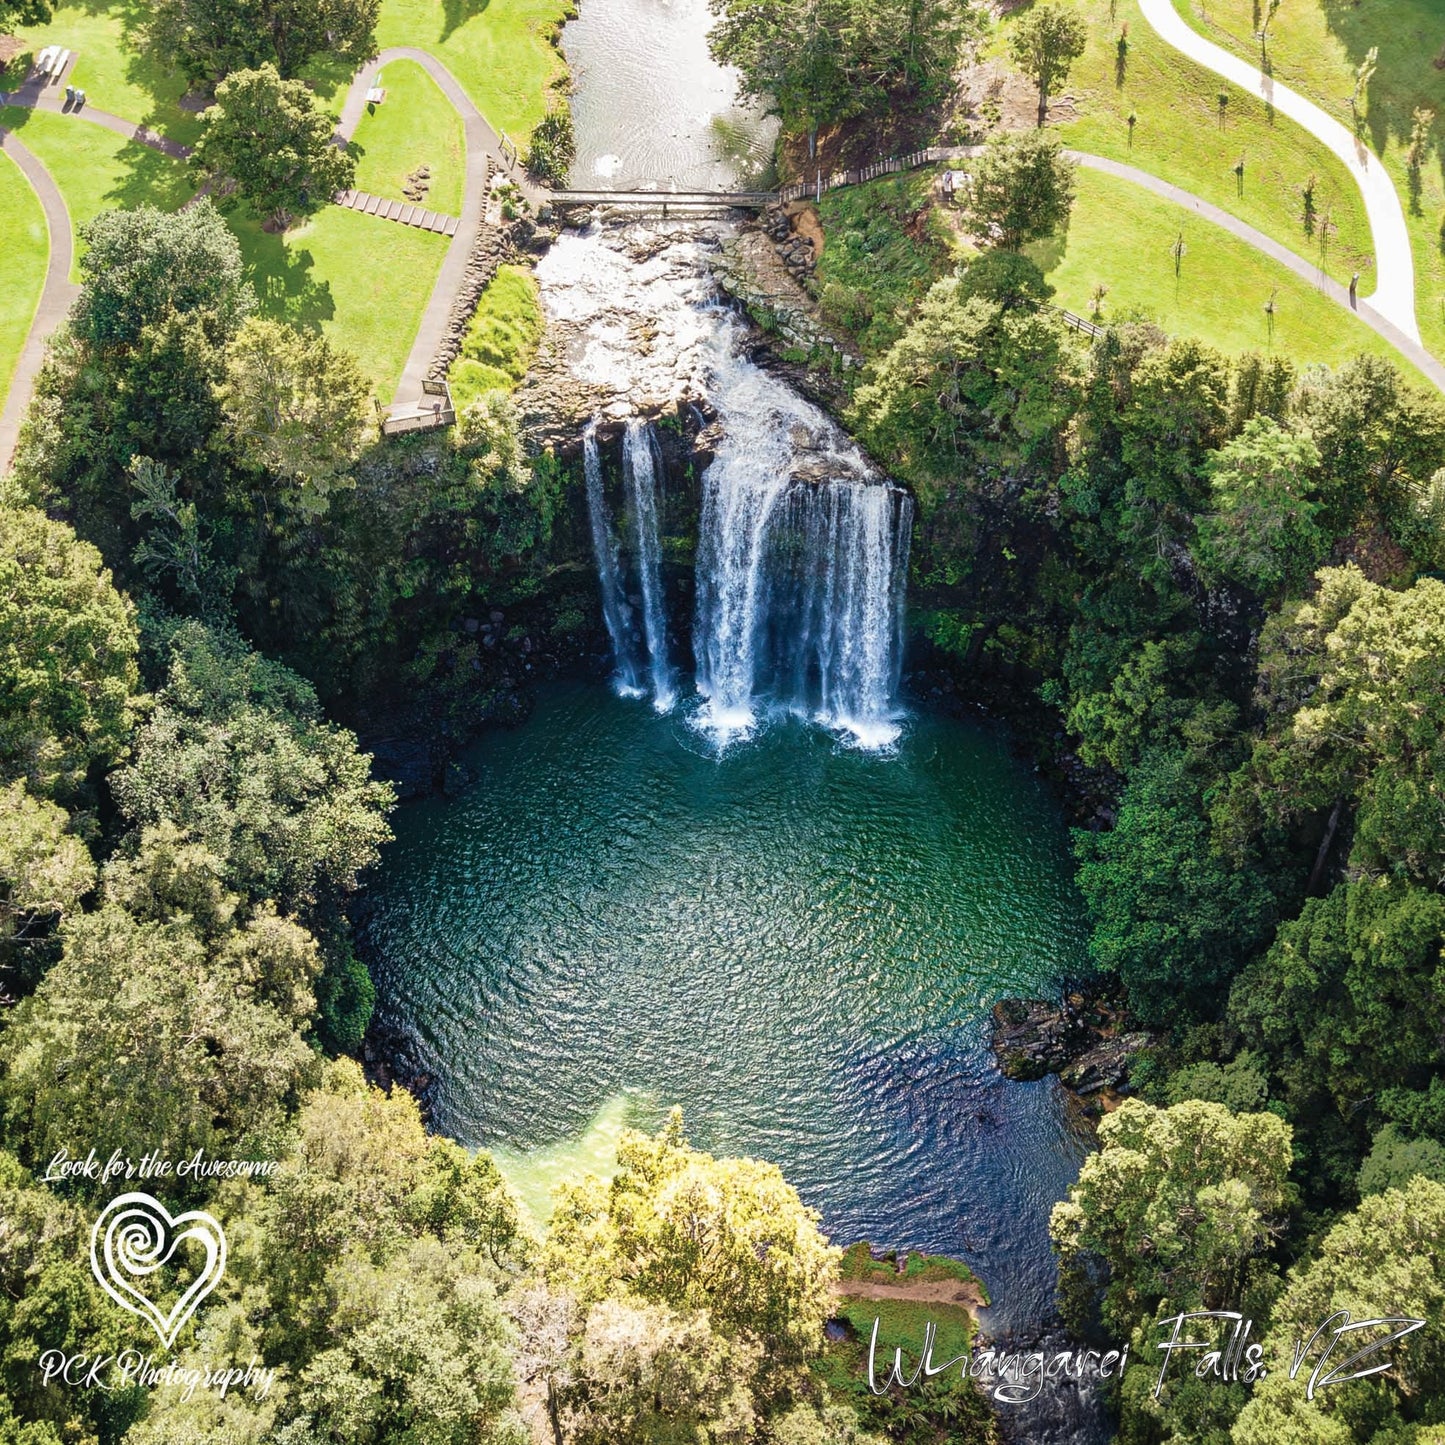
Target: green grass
x=502 y=338
x=1180 y=136
x=500 y=51
x=364 y=283
x=416 y=125
x=110 y=67
x=1314 y=48
x=1122 y=235
x=98 y=170
x=881 y=251
x=25 y=245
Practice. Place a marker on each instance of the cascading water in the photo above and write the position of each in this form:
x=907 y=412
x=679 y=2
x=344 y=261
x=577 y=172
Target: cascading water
x=615 y=611
x=640 y=470
x=802 y=546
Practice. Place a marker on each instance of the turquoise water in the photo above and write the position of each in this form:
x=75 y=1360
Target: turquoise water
x=796 y=941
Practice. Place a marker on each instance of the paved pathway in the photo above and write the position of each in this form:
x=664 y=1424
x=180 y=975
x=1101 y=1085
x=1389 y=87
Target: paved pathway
x=1394 y=295
x=55 y=298
x=38 y=94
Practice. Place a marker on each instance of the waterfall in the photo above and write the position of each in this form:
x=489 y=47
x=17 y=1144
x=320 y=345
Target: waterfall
x=802 y=547
x=615 y=611
x=800 y=601
x=639 y=468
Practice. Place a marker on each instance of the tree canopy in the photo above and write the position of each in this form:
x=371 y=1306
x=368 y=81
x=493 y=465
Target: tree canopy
x=211 y=39
x=267 y=140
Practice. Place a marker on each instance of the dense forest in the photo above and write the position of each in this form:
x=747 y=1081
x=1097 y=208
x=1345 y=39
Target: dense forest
x=1208 y=590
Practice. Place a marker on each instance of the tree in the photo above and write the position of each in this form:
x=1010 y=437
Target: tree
x=139 y=267
x=1178 y=1203
x=802 y=59
x=24 y=12
x=140 y=1037
x=68 y=646
x=210 y=39
x=1261 y=532
x=823 y=61
x=677 y=1227
x=237 y=757
x=1350 y=998
x=298 y=410
x=1044 y=43
x=1379 y=439
x=45 y=870
x=267 y=139
x=1022 y=189
x=1171 y=916
x=972 y=385
x=1386 y=1260
x=1395 y=1159
x=647 y=1373
x=1353 y=684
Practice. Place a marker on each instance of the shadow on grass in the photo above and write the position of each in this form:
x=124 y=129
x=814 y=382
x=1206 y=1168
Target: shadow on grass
x=150 y=179
x=456 y=13
x=282 y=276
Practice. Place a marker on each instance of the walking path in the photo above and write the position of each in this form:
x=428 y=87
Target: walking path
x=46 y=93
x=1394 y=294
x=55 y=297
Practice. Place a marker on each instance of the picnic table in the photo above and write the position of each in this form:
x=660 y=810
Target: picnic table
x=375 y=95
x=51 y=62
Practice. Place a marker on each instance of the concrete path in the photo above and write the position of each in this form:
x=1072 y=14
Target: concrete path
x=1394 y=294
x=55 y=297
x=484 y=150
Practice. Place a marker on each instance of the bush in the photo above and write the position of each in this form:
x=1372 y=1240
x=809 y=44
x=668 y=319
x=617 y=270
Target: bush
x=553 y=147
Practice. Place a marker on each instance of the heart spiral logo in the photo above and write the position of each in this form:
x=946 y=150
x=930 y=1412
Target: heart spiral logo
x=134 y=1237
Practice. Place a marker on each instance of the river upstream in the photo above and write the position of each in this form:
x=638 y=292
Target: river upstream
x=743 y=875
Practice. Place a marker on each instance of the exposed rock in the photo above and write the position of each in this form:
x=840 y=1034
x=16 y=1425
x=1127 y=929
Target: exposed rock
x=1083 y=1039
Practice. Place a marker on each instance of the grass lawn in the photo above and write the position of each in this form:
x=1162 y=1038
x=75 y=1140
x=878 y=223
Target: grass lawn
x=416 y=125
x=110 y=67
x=1121 y=235
x=502 y=338
x=1314 y=48
x=500 y=50
x=364 y=283
x=1181 y=135
x=96 y=169
x=25 y=245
